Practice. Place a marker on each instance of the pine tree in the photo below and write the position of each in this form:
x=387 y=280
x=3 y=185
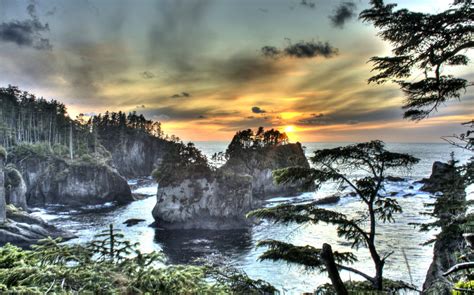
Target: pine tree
x=425 y=43
x=330 y=165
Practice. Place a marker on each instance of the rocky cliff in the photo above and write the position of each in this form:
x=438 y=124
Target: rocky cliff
x=260 y=163
x=218 y=202
x=15 y=187
x=195 y=196
x=53 y=180
x=441 y=173
x=18 y=227
x=135 y=154
x=449 y=210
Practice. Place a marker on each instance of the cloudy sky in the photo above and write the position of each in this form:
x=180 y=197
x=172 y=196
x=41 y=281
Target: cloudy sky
x=208 y=68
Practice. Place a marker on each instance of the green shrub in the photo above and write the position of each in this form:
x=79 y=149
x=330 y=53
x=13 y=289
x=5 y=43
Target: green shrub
x=39 y=150
x=61 y=150
x=13 y=177
x=109 y=265
x=462 y=286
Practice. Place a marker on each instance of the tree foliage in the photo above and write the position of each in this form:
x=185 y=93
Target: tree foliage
x=53 y=267
x=425 y=43
x=335 y=165
x=181 y=161
x=254 y=140
x=27 y=119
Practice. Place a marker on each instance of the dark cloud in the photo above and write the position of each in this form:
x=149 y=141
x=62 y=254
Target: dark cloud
x=177 y=112
x=344 y=12
x=314 y=120
x=141 y=107
x=270 y=51
x=244 y=68
x=310 y=49
x=26 y=33
x=258 y=110
x=182 y=94
x=301 y=49
x=351 y=118
x=308 y=3
x=147 y=75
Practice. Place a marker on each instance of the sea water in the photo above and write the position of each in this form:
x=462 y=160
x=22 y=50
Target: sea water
x=409 y=262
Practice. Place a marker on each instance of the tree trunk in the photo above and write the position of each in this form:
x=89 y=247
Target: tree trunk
x=379 y=275
x=328 y=259
x=3 y=212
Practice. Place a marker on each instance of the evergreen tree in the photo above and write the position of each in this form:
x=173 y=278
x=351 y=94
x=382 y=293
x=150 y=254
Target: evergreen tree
x=332 y=165
x=424 y=43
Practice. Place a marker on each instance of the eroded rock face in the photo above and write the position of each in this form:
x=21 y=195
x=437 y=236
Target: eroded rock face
x=441 y=174
x=449 y=241
x=136 y=155
x=220 y=202
x=24 y=230
x=260 y=163
x=220 y=199
x=15 y=188
x=55 y=181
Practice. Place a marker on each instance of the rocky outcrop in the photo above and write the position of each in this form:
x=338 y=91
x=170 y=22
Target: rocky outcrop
x=3 y=212
x=198 y=197
x=15 y=188
x=135 y=154
x=260 y=163
x=217 y=202
x=449 y=210
x=24 y=230
x=52 y=180
x=441 y=174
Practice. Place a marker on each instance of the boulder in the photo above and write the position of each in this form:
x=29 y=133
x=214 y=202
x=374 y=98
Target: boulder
x=217 y=202
x=24 y=230
x=332 y=199
x=133 y=221
x=394 y=178
x=260 y=163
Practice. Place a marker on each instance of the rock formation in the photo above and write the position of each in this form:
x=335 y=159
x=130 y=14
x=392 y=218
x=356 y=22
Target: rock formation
x=24 y=230
x=260 y=163
x=446 y=179
x=3 y=211
x=193 y=195
x=53 y=180
x=217 y=202
x=15 y=188
x=441 y=173
x=135 y=154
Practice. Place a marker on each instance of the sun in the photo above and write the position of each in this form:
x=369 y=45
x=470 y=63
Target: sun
x=289 y=129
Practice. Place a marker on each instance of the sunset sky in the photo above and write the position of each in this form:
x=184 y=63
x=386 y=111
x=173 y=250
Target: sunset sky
x=199 y=68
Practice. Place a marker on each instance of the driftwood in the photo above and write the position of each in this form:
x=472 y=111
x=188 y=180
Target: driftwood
x=459 y=267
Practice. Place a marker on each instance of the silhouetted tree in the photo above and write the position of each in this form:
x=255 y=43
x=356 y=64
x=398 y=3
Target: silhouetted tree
x=248 y=139
x=332 y=165
x=180 y=162
x=425 y=43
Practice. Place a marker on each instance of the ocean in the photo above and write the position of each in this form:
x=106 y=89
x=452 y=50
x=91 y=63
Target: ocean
x=237 y=247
